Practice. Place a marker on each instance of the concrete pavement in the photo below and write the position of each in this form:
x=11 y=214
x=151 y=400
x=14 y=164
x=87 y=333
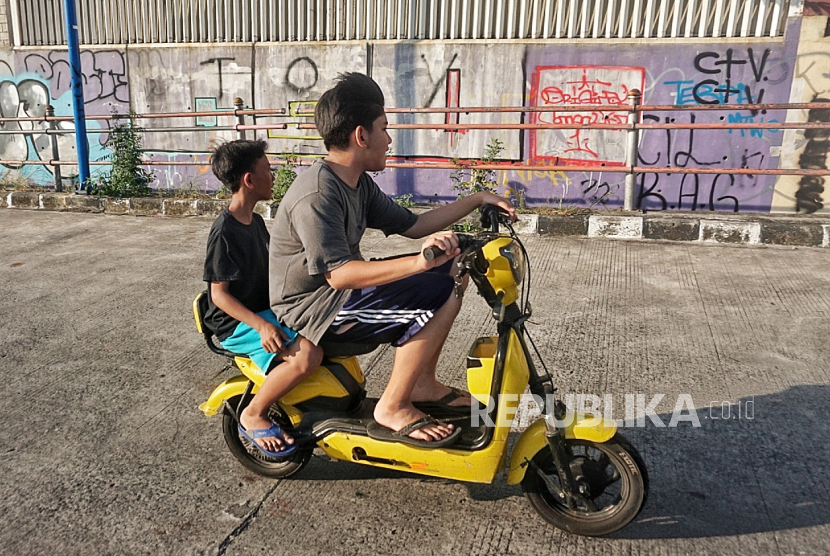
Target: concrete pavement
x=103 y=451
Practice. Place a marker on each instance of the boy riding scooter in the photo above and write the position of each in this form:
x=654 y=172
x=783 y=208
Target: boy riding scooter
x=321 y=286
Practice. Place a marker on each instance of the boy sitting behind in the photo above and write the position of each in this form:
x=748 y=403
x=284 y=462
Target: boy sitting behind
x=239 y=314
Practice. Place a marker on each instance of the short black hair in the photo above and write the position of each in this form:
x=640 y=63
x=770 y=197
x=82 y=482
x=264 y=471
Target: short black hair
x=232 y=160
x=355 y=100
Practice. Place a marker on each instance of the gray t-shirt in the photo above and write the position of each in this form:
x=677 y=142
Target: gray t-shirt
x=318 y=228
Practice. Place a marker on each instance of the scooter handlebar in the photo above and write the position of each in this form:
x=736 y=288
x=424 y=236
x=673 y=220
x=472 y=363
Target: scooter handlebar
x=432 y=252
x=491 y=216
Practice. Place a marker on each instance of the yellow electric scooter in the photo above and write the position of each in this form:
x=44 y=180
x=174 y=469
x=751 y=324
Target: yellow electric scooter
x=577 y=471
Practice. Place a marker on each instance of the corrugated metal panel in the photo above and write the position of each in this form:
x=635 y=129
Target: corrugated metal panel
x=40 y=22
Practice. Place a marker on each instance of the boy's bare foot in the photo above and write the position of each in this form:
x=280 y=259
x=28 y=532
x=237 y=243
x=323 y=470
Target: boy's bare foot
x=398 y=418
x=256 y=422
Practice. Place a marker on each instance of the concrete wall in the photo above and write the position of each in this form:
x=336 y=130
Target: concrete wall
x=808 y=149
x=5 y=38
x=458 y=73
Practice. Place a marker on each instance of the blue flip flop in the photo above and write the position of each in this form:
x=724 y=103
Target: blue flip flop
x=273 y=430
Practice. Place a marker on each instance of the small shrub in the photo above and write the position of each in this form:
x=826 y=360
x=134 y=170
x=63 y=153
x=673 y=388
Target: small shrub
x=467 y=181
x=223 y=193
x=189 y=190
x=404 y=200
x=284 y=176
x=127 y=178
x=519 y=199
x=465 y=227
x=17 y=182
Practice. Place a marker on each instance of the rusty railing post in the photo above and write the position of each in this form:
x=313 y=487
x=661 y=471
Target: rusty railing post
x=240 y=118
x=53 y=138
x=631 y=154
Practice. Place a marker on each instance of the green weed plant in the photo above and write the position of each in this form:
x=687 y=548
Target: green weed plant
x=127 y=178
x=404 y=200
x=284 y=176
x=470 y=180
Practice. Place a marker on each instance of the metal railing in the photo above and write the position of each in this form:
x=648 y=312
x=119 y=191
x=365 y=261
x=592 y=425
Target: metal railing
x=632 y=125
x=40 y=22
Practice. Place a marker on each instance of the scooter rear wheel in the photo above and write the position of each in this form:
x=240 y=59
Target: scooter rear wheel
x=613 y=478
x=253 y=459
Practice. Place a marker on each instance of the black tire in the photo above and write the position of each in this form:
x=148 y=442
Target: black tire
x=616 y=479
x=253 y=459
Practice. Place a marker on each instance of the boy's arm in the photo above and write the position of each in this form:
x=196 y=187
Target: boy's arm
x=272 y=337
x=364 y=274
x=441 y=217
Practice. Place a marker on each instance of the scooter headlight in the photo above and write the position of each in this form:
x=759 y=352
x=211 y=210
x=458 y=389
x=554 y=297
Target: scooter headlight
x=505 y=268
x=516 y=257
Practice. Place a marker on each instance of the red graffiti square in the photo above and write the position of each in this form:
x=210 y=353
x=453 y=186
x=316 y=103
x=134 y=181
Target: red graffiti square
x=594 y=87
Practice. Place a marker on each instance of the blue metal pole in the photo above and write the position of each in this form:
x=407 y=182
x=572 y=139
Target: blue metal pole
x=77 y=81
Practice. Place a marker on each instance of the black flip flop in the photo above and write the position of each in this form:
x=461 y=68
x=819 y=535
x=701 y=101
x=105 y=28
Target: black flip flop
x=442 y=406
x=379 y=432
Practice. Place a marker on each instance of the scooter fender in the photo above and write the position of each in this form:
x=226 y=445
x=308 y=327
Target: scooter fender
x=232 y=387
x=533 y=439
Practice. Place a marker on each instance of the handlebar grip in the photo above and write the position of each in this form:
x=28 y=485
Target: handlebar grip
x=431 y=252
x=490 y=217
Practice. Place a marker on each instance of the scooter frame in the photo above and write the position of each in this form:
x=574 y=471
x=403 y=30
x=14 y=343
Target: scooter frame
x=513 y=370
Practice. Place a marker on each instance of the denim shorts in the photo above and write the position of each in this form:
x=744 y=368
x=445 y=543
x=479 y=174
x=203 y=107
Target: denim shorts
x=248 y=341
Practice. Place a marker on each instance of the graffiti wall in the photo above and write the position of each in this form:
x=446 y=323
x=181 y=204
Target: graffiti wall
x=30 y=81
x=185 y=80
x=696 y=75
x=446 y=75
x=293 y=77
x=432 y=74
x=600 y=77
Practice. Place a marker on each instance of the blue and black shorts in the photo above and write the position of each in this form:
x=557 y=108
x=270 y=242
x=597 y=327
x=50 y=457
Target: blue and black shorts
x=394 y=312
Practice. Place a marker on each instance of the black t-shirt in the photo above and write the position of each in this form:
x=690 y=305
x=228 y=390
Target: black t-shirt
x=237 y=253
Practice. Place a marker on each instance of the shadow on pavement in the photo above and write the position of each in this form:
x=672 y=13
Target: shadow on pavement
x=764 y=469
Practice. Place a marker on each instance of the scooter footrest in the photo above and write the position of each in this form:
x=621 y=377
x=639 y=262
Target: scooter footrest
x=349 y=426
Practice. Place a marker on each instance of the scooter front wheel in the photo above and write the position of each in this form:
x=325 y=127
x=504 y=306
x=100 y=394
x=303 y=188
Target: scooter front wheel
x=253 y=459
x=611 y=477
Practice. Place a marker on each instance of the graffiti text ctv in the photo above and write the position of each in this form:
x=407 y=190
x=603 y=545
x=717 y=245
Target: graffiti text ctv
x=730 y=82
